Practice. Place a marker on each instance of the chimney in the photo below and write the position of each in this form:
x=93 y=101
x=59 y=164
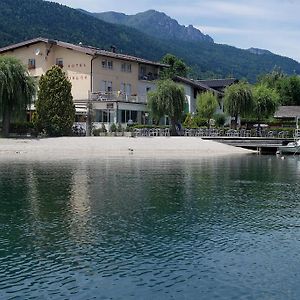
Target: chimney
x=113 y=48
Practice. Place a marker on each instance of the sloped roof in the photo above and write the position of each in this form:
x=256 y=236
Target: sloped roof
x=287 y=112
x=89 y=50
x=218 y=83
x=195 y=84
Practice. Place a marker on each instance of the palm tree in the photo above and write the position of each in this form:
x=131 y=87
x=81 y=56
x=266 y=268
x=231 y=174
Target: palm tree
x=17 y=89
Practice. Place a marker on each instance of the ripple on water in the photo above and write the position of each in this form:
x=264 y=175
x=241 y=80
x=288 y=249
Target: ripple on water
x=145 y=229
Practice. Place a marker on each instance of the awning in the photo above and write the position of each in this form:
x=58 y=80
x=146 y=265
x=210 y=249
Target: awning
x=81 y=110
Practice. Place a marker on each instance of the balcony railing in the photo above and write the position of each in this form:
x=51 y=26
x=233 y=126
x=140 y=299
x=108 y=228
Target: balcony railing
x=117 y=96
x=148 y=77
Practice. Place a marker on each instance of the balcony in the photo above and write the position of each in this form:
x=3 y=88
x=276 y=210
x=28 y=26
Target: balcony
x=148 y=77
x=117 y=96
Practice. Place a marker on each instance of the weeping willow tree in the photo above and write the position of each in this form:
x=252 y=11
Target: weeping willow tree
x=207 y=104
x=266 y=101
x=238 y=101
x=17 y=89
x=168 y=99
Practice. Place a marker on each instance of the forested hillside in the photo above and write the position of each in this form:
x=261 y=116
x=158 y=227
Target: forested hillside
x=26 y=19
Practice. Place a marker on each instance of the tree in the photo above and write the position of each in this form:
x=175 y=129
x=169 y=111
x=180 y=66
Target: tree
x=288 y=87
x=155 y=105
x=266 y=101
x=55 y=110
x=177 y=67
x=238 y=100
x=207 y=104
x=17 y=89
x=289 y=90
x=272 y=79
x=168 y=99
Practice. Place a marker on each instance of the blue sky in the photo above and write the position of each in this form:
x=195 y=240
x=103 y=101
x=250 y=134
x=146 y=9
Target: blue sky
x=266 y=24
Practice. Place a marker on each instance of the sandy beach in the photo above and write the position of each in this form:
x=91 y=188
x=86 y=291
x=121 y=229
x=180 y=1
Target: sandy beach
x=105 y=147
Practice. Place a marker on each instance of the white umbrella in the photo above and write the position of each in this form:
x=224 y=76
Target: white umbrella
x=261 y=125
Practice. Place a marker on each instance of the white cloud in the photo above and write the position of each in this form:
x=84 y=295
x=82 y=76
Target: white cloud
x=223 y=30
x=237 y=9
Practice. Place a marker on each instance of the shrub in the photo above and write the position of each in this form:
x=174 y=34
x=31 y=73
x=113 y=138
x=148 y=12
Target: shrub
x=103 y=128
x=113 y=128
x=220 y=120
x=96 y=131
x=119 y=128
x=189 y=121
x=200 y=121
x=22 y=128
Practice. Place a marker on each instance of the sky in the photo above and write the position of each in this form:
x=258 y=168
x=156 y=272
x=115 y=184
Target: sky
x=267 y=24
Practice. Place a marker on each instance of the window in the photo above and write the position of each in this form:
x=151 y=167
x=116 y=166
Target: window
x=60 y=62
x=126 y=88
x=107 y=64
x=103 y=116
x=127 y=115
x=143 y=70
x=106 y=86
x=31 y=63
x=125 y=67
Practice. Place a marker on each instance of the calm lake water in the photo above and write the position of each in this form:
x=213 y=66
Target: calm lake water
x=225 y=228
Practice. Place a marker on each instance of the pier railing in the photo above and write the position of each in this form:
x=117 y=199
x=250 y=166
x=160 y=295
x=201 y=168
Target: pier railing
x=213 y=132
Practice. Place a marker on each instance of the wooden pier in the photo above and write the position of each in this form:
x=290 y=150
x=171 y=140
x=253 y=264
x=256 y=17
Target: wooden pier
x=264 y=145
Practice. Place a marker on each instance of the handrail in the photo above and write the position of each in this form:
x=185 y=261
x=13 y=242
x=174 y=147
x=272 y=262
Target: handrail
x=117 y=96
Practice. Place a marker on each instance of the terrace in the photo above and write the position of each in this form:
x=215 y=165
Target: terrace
x=117 y=97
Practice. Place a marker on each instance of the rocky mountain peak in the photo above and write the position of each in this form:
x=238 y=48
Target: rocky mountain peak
x=157 y=24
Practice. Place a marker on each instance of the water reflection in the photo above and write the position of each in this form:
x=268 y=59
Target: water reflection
x=140 y=229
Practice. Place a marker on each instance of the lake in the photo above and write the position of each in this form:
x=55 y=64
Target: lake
x=223 y=228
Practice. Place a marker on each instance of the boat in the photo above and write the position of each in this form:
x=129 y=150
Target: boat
x=292 y=147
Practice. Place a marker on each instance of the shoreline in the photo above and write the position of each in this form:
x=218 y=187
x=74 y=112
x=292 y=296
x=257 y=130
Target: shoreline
x=64 y=148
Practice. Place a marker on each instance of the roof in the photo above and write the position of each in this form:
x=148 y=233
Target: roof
x=195 y=84
x=287 y=112
x=218 y=83
x=89 y=50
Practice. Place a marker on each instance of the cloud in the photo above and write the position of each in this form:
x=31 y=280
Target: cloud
x=279 y=41
x=223 y=30
x=270 y=24
x=242 y=11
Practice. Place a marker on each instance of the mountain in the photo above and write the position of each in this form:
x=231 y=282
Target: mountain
x=258 y=51
x=25 y=19
x=156 y=24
